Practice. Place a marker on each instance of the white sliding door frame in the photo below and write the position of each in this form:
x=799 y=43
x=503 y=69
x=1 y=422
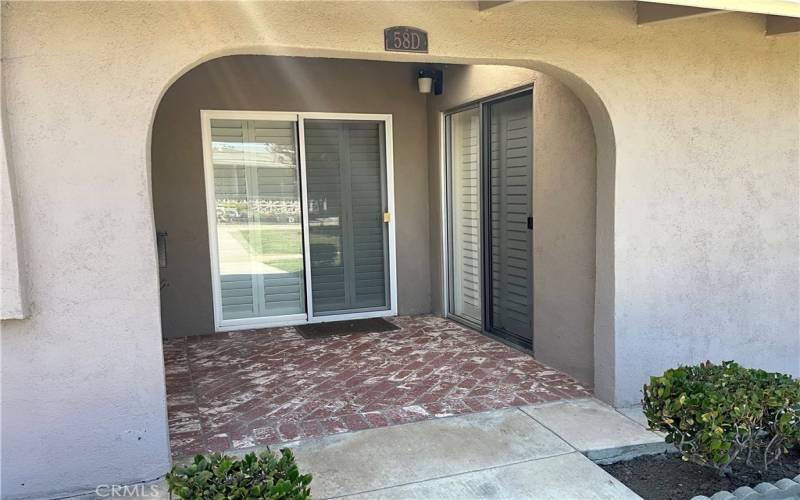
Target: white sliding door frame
x=221 y=324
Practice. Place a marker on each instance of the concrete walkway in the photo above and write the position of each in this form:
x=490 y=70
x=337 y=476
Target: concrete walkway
x=535 y=451
x=540 y=451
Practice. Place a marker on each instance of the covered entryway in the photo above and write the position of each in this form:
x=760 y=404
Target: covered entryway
x=242 y=389
x=291 y=190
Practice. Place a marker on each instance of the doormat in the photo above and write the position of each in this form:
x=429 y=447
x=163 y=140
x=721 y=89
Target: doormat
x=322 y=330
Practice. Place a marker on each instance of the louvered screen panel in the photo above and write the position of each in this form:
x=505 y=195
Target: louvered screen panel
x=345 y=166
x=465 y=185
x=511 y=160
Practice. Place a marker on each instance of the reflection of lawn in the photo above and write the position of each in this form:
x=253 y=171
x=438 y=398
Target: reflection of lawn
x=288 y=265
x=272 y=241
x=280 y=247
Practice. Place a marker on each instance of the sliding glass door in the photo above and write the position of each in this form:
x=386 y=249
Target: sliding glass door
x=489 y=212
x=300 y=217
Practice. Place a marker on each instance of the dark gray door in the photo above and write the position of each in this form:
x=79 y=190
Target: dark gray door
x=348 y=239
x=508 y=259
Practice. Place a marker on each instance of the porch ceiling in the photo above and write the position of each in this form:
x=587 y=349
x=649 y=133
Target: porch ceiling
x=781 y=16
x=789 y=8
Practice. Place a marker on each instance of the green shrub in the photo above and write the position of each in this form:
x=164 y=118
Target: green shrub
x=716 y=413
x=220 y=477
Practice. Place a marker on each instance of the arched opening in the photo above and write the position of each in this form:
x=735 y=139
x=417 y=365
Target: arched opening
x=268 y=220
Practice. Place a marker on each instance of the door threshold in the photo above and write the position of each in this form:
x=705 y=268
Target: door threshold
x=519 y=346
x=472 y=326
x=304 y=321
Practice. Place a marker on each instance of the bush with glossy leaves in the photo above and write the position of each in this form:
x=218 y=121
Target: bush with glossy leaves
x=221 y=477
x=714 y=414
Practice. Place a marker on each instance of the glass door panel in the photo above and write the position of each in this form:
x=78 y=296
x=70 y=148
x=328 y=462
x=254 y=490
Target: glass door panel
x=258 y=219
x=463 y=155
x=345 y=163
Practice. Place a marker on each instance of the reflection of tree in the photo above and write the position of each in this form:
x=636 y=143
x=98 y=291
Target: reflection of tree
x=237 y=210
x=318 y=205
x=254 y=154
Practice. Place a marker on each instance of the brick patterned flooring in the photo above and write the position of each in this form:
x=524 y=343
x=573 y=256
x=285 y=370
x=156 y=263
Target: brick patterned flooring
x=256 y=387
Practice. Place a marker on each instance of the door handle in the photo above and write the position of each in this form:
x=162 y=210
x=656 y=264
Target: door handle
x=530 y=222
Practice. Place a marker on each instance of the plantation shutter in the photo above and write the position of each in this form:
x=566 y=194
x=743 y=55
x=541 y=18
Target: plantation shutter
x=276 y=192
x=465 y=165
x=238 y=288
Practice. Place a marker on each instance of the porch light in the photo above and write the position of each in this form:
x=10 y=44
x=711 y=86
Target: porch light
x=429 y=80
x=425 y=84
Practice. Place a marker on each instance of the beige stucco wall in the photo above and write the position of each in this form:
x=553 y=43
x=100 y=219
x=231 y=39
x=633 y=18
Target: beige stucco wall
x=697 y=193
x=264 y=83
x=13 y=300
x=564 y=206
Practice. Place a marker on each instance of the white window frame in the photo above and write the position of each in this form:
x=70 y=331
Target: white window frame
x=221 y=325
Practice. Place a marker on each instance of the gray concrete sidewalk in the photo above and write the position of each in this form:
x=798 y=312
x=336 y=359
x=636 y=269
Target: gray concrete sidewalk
x=530 y=452
x=541 y=451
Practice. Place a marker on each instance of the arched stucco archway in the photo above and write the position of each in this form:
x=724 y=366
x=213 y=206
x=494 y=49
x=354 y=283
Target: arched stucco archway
x=605 y=154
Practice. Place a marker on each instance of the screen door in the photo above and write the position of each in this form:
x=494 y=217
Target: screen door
x=348 y=216
x=508 y=235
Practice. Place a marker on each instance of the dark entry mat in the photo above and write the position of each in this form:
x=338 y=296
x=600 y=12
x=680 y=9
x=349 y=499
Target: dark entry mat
x=322 y=330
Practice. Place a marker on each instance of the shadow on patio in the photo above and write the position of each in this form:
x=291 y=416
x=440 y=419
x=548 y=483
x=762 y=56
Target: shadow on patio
x=258 y=387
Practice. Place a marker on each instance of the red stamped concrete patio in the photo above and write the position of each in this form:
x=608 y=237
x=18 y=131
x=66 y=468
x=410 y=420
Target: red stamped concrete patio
x=257 y=387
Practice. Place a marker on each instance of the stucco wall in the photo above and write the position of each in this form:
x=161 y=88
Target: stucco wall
x=13 y=300
x=280 y=84
x=697 y=193
x=13 y=303
x=563 y=206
